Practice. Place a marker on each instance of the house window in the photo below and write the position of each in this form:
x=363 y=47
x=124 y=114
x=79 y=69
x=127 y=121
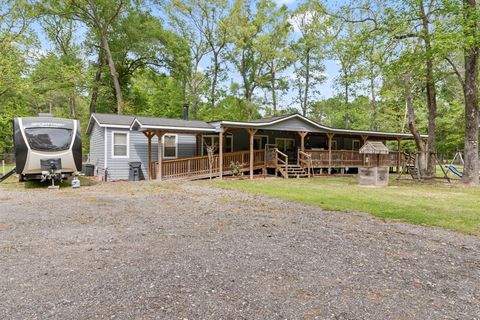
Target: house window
x=259 y=142
x=285 y=144
x=213 y=140
x=356 y=145
x=169 y=146
x=120 y=145
x=334 y=144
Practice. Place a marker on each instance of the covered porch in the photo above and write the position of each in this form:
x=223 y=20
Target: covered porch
x=290 y=146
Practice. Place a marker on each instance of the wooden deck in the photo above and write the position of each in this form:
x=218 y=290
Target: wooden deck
x=199 y=167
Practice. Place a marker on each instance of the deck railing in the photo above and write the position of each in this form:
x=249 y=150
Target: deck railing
x=200 y=166
x=352 y=158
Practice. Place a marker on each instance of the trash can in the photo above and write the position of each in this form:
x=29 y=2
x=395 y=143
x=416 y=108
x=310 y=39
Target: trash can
x=135 y=171
x=88 y=169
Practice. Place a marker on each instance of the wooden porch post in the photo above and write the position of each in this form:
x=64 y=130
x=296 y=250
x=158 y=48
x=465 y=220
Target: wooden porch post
x=398 y=155
x=364 y=140
x=302 y=134
x=251 y=132
x=220 y=154
x=149 y=136
x=160 y=154
x=330 y=137
x=302 y=143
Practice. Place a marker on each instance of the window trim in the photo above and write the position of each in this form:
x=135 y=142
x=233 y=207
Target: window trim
x=353 y=144
x=128 y=144
x=176 y=145
x=260 y=136
x=285 y=139
x=226 y=136
x=334 y=145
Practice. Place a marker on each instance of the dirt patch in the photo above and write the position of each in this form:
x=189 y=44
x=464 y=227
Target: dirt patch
x=186 y=250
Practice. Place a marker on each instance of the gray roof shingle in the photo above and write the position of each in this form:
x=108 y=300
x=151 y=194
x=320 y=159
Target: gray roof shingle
x=165 y=122
x=114 y=119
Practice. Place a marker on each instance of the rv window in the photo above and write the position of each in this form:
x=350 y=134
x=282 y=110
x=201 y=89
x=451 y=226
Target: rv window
x=49 y=139
x=120 y=144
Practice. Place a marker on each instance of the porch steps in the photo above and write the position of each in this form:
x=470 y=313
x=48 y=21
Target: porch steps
x=295 y=171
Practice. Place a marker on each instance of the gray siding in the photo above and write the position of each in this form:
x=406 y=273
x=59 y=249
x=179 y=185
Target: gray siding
x=118 y=168
x=97 y=149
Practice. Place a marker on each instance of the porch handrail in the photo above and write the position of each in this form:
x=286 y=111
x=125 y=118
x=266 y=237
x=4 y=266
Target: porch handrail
x=284 y=161
x=305 y=160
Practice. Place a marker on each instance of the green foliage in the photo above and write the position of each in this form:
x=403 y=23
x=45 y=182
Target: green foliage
x=155 y=95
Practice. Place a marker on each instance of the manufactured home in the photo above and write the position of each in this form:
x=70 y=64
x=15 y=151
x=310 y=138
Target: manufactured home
x=290 y=145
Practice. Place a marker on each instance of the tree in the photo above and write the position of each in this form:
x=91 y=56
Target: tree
x=471 y=56
x=98 y=16
x=246 y=38
x=208 y=18
x=190 y=26
x=274 y=46
x=309 y=49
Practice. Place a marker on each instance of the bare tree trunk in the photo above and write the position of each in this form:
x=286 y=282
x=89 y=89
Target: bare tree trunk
x=471 y=159
x=102 y=31
x=374 y=104
x=273 y=87
x=431 y=93
x=307 y=83
x=73 y=107
x=213 y=93
x=346 y=123
x=113 y=73
x=411 y=119
x=98 y=76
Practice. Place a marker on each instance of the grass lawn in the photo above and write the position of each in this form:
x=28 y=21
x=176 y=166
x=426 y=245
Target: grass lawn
x=450 y=206
x=8 y=167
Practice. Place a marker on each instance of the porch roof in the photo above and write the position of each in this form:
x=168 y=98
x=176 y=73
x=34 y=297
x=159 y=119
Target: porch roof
x=282 y=123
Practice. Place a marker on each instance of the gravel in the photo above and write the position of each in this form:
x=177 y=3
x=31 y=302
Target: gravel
x=190 y=251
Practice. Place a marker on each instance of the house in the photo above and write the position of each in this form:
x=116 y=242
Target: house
x=290 y=145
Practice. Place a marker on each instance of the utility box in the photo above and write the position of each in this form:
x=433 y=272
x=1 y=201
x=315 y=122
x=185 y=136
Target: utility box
x=88 y=169
x=135 y=171
x=373 y=173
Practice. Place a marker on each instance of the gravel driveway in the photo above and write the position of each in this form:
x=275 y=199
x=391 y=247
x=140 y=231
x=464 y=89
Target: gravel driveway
x=189 y=251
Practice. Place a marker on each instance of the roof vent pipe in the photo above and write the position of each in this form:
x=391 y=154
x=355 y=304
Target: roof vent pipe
x=185 y=111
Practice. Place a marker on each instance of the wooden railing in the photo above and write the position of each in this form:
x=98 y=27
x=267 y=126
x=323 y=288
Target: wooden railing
x=281 y=159
x=200 y=166
x=305 y=160
x=351 y=158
